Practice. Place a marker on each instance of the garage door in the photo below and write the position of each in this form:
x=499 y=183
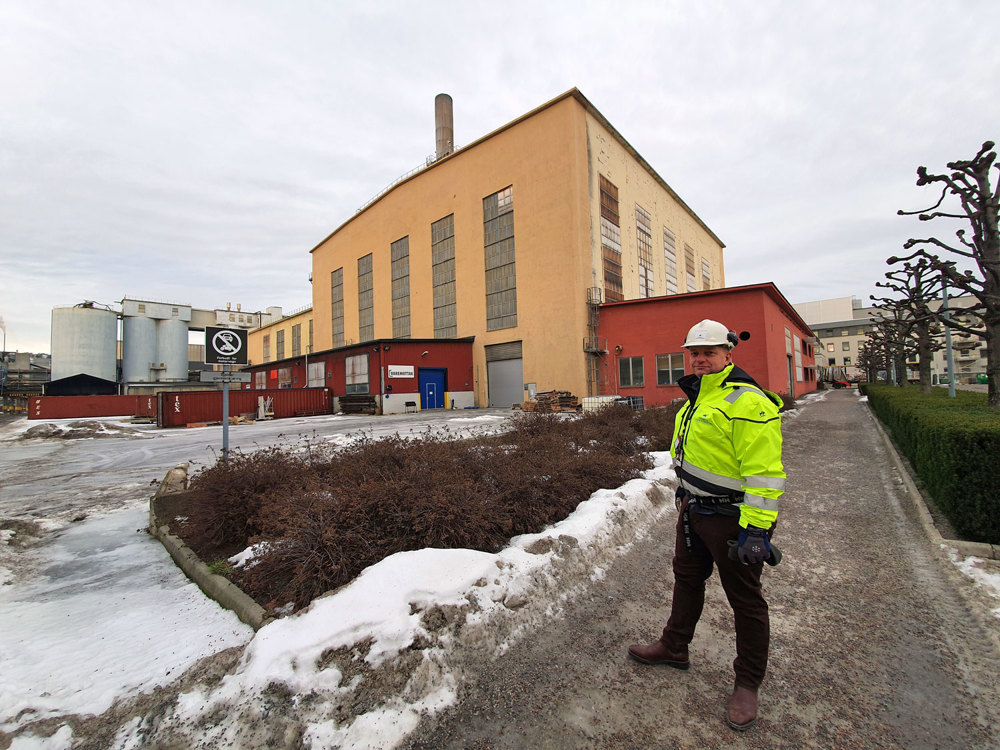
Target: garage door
x=505 y=374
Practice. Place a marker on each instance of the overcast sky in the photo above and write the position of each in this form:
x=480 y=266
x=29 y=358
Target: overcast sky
x=194 y=152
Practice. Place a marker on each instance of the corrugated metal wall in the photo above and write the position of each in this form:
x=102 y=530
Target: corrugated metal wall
x=83 y=407
x=178 y=409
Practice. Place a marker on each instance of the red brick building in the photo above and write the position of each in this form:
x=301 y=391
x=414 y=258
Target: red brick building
x=643 y=339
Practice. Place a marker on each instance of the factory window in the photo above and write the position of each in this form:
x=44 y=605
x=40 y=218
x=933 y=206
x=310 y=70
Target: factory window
x=309 y=346
x=337 y=305
x=285 y=377
x=366 y=299
x=260 y=380
x=443 y=275
x=267 y=347
x=630 y=372
x=400 y=250
x=644 y=241
x=356 y=373
x=798 y=358
x=669 y=368
x=315 y=374
x=706 y=274
x=279 y=344
x=232 y=316
x=611 y=242
x=297 y=340
x=670 y=260
x=501 y=277
x=174 y=311
x=689 y=268
x=142 y=308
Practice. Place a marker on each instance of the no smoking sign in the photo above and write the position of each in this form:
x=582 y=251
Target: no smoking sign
x=225 y=346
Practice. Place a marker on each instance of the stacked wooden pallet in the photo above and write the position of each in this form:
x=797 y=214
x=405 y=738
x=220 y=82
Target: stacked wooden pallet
x=552 y=401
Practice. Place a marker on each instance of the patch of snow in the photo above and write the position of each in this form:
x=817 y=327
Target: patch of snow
x=973 y=567
x=83 y=634
x=62 y=739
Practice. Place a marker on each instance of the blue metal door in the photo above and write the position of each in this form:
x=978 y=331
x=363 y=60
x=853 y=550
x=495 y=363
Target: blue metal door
x=432 y=387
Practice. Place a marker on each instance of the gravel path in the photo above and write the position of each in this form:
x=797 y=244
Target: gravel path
x=877 y=640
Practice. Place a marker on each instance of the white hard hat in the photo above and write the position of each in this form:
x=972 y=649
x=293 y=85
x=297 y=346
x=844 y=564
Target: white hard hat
x=710 y=333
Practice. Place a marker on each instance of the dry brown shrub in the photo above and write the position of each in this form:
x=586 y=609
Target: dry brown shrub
x=328 y=514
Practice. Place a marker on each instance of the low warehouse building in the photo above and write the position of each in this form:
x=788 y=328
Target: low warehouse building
x=643 y=340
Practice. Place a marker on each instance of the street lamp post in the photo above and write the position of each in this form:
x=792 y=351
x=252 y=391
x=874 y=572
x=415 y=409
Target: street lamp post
x=948 y=356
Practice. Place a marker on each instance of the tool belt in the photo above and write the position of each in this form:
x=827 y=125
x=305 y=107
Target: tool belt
x=715 y=499
x=702 y=500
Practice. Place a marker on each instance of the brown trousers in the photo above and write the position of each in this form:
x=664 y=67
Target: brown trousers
x=692 y=568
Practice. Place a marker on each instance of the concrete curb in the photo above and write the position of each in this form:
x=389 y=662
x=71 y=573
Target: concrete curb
x=973 y=549
x=221 y=589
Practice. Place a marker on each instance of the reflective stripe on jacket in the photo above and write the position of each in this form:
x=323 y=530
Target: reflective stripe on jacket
x=727 y=441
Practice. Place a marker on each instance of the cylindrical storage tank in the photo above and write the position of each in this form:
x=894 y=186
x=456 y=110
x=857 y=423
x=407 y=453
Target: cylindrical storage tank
x=138 y=349
x=172 y=349
x=84 y=340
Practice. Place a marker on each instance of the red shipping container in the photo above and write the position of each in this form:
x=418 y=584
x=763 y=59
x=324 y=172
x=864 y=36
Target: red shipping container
x=179 y=409
x=85 y=407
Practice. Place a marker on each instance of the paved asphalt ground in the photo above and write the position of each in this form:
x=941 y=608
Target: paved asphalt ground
x=877 y=639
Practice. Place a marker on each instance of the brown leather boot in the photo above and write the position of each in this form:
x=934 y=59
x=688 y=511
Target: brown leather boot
x=658 y=653
x=742 y=708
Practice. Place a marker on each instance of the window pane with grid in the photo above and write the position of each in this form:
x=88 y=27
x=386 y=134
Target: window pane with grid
x=611 y=242
x=499 y=255
x=706 y=274
x=400 y=253
x=669 y=368
x=689 y=270
x=337 y=305
x=267 y=347
x=366 y=299
x=630 y=371
x=297 y=340
x=356 y=374
x=670 y=260
x=279 y=344
x=644 y=242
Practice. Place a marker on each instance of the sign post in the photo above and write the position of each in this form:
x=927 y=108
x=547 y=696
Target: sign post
x=226 y=347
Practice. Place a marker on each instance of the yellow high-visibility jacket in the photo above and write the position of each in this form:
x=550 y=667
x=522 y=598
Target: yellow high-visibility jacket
x=727 y=442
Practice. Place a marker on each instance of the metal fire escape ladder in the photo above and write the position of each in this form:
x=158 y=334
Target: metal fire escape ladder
x=594 y=347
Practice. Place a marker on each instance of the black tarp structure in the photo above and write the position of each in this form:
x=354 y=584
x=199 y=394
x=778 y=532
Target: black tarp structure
x=81 y=385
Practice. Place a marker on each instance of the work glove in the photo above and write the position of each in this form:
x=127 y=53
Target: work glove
x=679 y=496
x=753 y=546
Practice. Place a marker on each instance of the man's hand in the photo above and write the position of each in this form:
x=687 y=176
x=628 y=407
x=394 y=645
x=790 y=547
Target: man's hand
x=753 y=546
x=679 y=496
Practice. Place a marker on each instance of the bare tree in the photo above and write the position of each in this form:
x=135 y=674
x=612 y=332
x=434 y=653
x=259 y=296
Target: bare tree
x=893 y=325
x=872 y=358
x=978 y=204
x=917 y=285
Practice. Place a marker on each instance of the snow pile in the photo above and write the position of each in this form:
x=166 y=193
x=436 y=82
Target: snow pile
x=78 y=429
x=973 y=567
x=392 y=641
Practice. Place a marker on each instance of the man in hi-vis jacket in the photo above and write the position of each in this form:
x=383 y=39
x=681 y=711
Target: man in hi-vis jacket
x=726 y=452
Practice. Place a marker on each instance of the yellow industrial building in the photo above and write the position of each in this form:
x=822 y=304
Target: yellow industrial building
x=514 y=240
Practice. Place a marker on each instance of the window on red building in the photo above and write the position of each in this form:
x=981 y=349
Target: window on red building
x=630 y=372
x=669 y=368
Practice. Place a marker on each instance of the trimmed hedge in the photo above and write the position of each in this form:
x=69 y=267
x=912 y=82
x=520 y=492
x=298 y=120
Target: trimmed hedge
x=953 y=446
